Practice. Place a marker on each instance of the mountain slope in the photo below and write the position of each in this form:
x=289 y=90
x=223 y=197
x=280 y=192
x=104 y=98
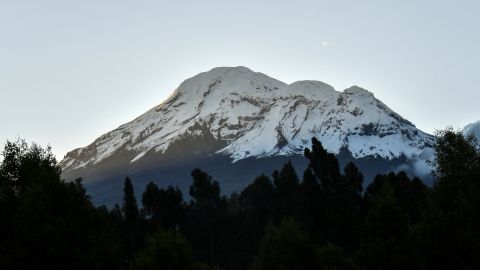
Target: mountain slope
x=237 y=114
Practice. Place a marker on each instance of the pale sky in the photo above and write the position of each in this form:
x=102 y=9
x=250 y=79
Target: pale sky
x=73 y=70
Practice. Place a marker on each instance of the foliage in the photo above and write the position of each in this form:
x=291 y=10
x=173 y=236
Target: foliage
x=163 y=206
x=167 y=250
x=325 y=219
x=285 y=247
x=453 y=219
x=48 y=223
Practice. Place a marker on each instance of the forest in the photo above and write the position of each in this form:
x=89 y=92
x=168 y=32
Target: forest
x=324 y=218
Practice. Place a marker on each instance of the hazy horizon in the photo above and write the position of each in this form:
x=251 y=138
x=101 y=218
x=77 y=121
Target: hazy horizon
x=71 y=71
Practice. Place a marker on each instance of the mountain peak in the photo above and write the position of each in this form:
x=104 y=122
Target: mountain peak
x=228 y=80
x=224 y=69
x=230 y=72
x=357 y=90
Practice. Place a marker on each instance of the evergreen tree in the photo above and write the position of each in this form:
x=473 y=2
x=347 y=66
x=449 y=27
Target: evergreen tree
x=255 y=205
x=324 y=165
x=311 y=212
x=453 y=219
x=286 y=247
x=131 y=221
x=23 y=165
x=353 y=182
x=164 y=207
x=338 y=199
x=167 y=250
x=204 y=190
x=386 y=228
x=332 y=257
x=410 y=194
x=346 y=203
x=129 y=207
x=398 y=223
x=255 y=202
x=151 y=201
x=206 y=206
x=286 y=192
x=50 y=224
x=418 y=200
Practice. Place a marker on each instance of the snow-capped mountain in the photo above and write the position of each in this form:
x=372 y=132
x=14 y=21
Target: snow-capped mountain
x=236 y=114
x=257 y=116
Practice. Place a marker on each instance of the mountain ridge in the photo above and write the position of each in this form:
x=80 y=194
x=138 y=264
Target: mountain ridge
x=259 y=116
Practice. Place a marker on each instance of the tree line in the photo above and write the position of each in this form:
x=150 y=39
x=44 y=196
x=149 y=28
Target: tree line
x=323 y=219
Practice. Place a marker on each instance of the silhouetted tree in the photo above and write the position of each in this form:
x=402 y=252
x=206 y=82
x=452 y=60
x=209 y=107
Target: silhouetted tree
x=386 y=233
x=206 y=207
x=23 y=165
x=453 y=220
x=50 y=224
x=286 y=192
x=129 y=207
x=339 y=196
x=410 y=195
x=322 y=222
x=332 y=257
x=255 y=206
x=168 y=250
x=324 y=166
x=131 y=220
x=285 y=247
x=346 y=203
x=311 y=212
x=164 y=207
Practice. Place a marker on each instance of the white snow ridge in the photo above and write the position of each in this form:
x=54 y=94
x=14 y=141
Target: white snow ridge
x=258 y=116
